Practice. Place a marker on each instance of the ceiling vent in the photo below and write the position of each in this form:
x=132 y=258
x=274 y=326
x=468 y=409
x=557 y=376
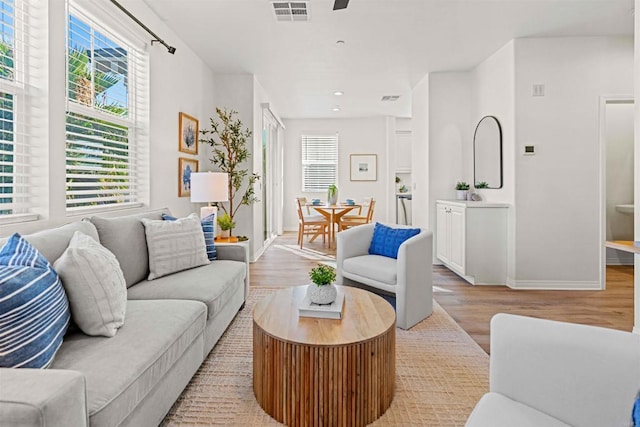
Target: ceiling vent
x=390 y=98
x=294 y=11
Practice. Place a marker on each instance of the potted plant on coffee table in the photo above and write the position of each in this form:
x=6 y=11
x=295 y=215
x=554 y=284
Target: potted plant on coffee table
x=322 y=291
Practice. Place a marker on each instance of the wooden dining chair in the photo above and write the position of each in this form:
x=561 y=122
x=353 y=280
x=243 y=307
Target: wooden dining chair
x=348 y=221
x=310 y=225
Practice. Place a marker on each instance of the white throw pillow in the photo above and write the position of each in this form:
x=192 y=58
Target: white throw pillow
x=174 y=245
x=94 y=283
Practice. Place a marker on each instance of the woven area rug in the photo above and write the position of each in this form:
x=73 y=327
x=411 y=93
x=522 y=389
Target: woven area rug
x=440 y=375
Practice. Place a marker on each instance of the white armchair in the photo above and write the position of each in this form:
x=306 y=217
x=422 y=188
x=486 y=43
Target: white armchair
x=547 y=373
x=409 y=277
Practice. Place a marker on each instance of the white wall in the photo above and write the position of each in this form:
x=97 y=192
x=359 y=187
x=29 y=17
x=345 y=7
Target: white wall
x=355 y=136
x=493 y=94
x=449 y=136
x=558 y=240
x=244 y=94
x=636 y=92
x=170 y=93
x=420 y=214
x=619 y=177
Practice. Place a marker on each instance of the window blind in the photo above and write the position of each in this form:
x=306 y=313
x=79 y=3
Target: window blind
x=107 y=94
x=21 y=42
x=319 y=162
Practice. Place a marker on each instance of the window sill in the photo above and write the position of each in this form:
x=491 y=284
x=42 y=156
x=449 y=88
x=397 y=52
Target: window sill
x=17 y=218
x=99 y=209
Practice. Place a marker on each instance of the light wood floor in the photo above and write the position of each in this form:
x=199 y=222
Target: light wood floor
x=473 y=306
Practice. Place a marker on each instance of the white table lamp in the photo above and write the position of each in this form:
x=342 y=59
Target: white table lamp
x=209 y=187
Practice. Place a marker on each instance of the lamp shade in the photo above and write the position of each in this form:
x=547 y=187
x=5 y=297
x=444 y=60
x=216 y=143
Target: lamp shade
x=209 y=187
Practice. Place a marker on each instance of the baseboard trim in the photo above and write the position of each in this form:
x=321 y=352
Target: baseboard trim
x=555 y=285
x=616 y=261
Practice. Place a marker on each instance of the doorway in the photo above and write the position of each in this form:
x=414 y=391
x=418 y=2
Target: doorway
x=617 y=182
x=271 y=177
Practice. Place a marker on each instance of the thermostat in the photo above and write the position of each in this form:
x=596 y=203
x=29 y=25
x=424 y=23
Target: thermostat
x=529 y=150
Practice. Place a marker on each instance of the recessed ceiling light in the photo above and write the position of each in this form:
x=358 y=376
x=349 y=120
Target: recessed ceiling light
x=338 y=93
x=336 y=108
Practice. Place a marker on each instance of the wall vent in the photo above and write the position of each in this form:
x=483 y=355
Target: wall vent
x=390 y=98
x=294 y=11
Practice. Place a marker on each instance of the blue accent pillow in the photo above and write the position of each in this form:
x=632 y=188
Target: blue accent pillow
x=34 y=310
x=207 y=228
x=387 y=240
x=635 y=415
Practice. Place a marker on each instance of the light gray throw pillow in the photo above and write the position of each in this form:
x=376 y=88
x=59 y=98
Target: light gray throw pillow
x=94 y=283
x=174 y=245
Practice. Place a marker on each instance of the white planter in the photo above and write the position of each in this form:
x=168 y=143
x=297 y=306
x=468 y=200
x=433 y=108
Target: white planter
x=224 y=234
x=461 y=194
x=325 y=294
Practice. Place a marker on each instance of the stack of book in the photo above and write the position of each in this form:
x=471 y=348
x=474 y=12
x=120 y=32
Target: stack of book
x=325 y=311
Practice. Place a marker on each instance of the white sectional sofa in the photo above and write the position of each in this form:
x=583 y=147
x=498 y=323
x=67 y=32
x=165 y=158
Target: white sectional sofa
x=133 y=378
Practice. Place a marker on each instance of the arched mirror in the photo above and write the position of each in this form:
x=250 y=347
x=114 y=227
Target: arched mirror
x=487 y=153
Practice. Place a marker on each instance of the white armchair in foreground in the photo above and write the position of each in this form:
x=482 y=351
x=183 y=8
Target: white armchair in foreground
x=547 y=373
x=409 y=277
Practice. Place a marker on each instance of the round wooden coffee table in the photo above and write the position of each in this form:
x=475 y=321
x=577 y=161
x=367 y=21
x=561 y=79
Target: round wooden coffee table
x=310 y=371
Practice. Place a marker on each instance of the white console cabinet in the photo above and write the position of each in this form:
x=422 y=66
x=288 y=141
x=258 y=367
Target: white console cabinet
x=471 y=240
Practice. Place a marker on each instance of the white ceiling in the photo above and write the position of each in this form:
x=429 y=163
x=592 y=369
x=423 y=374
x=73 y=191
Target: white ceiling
x=389 y=44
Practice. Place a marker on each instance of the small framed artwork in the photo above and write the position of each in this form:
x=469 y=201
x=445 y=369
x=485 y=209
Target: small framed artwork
x=364 y=167
x=186 y=167
x=187 y=134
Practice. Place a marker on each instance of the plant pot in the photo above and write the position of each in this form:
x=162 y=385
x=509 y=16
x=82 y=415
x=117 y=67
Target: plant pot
x=461 y=194
x=224 y=234
x=324 y=294
x=332 y=198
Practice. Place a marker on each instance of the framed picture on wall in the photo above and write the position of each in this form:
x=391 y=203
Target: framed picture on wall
x=187 y=134
x=364 y=167
x=186 y=167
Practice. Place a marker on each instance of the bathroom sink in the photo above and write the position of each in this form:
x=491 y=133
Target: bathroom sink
x=625 y=209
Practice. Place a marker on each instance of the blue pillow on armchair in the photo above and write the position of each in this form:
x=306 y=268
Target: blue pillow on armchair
x=207 y=228
x=387 y=240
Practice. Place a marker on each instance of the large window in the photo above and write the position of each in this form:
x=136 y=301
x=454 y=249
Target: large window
x=15 y=48
x=106 y=80
x=319 y=162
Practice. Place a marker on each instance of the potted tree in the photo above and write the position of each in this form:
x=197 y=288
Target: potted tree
x=229 y=143
x=322 y=291
x=462 y=188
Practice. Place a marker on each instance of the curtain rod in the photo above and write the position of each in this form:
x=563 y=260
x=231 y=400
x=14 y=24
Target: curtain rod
x=170 y=49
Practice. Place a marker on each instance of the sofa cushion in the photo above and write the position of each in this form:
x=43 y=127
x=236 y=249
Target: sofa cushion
x=122 y=370
x=51 y=243
x=213 y=284
x=497 y=410
x=124 y=237
x=387 y=240
x=34 y=311
x=379 y=268
x=95 y=286
x=207 y=230
x=174 y=245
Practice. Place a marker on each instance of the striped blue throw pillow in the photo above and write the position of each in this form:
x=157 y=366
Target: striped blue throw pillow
x=34 y=311
x=207 y=228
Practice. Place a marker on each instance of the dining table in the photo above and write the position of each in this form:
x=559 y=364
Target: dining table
x=333 y=213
